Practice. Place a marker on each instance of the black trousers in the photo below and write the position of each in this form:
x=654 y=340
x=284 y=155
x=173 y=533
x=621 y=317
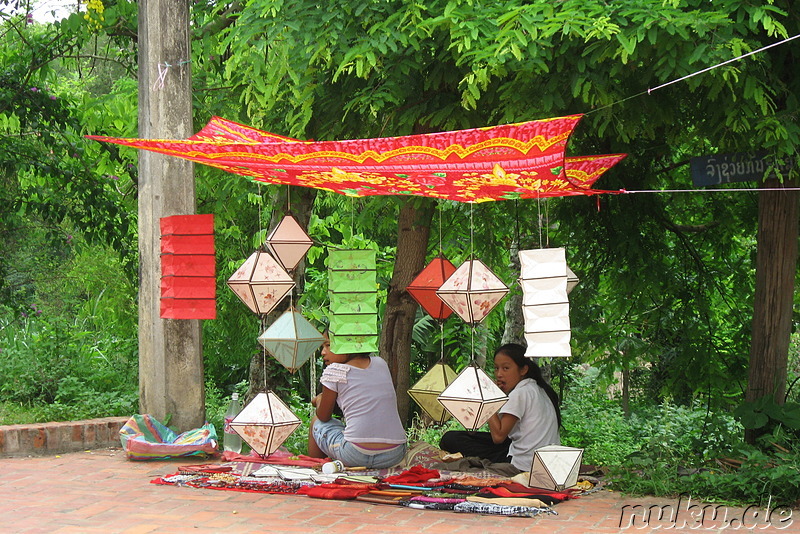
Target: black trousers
x=473 y=443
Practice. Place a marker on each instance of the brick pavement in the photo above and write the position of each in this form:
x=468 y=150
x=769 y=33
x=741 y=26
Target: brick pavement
x=100 y=491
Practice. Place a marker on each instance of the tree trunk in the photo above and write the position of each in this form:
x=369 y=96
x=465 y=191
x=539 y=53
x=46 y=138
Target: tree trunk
x=170 y=350
x=515 y=324
x=414 y=223
x=776 y=265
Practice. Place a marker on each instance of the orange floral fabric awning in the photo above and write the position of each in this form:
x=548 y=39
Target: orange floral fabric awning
x=523 y=160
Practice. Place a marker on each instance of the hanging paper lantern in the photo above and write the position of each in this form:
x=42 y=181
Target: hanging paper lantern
x=555 y=467
x=572 y=280
x=188 y=281
x=353 y=292
x=291 y=339
x=472 y=398
x=423 y=288
x=428 y=388
x=261 y=282
x=472 y=291
x=265 y=423
x=545 y=307
x=288 y=242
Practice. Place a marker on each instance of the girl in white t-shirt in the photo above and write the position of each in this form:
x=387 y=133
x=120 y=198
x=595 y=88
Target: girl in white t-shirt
x=529 y=420
x=362 y=387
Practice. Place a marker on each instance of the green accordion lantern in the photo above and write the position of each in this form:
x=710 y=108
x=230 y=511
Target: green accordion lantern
x=353 y=295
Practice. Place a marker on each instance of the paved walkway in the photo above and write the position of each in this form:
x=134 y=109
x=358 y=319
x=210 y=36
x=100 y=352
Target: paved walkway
x=102 y=492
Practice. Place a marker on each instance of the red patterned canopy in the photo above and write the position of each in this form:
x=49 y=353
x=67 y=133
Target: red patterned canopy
x=523 y=160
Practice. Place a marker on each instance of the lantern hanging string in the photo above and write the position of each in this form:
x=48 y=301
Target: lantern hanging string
x=539 y=218
x=650 y=90
x=726 y=190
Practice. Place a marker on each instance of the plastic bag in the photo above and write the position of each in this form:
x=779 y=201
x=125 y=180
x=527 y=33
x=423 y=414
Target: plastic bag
x=145 y=438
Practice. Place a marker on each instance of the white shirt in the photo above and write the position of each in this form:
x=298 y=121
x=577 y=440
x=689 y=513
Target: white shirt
x=368 y=401
x=537 y=425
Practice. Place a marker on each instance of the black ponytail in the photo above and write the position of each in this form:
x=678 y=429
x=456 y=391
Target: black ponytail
x=517 y=353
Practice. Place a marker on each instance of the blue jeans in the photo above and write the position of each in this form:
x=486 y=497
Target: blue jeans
x=330 y=439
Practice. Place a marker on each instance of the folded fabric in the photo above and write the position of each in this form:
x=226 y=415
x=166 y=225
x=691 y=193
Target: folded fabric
x=515 y=490
x=282 y=457
x=440 y=500
x=549 y=498
x=496 y=509
x=410 y=476
x=333 y=491
x=508 y=501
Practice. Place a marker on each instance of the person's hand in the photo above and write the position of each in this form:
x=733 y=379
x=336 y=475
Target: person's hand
x=315 y=400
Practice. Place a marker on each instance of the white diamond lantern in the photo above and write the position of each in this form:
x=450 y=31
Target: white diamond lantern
x=265 y=423
x=472 y=291
x=261 y=282
x=555 y=467
x=291 y=339
x=429 y=387
x=545 y=306
x=472 y=398
x=288 y=242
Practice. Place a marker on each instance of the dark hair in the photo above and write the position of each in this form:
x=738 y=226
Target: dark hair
x=517 y=353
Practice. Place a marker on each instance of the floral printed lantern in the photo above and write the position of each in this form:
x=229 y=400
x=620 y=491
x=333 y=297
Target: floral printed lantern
x=428 y=388
x=555 y=467
x=472 y=398
x=261 y=283
x=545 y=307
x=288 y=242
x=291 y=339
x=472 y=291
x=265 y=423
x=423 y=288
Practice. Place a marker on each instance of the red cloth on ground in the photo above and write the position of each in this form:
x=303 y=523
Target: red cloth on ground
x=414 y=475
x=333 y=491
x=518 y=490
x=280 y=456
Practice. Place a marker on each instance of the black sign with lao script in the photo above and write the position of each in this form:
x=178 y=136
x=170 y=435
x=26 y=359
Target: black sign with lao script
x=739 y=167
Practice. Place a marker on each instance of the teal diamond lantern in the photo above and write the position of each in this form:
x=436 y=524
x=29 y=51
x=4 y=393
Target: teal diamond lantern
x=291 y=339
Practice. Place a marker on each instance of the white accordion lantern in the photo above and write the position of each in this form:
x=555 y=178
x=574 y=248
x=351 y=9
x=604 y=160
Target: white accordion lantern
x=545 y=307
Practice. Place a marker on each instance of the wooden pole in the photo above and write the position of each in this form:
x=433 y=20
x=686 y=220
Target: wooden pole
x=171 y=384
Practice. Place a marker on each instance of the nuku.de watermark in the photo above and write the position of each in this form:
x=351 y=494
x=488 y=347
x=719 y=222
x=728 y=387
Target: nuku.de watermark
x=686 y=515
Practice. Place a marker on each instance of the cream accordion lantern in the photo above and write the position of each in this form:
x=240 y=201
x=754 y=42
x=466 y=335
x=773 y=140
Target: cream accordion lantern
x=288 y=242
x=265 y=423
x=428 y=388
x=472 y=291
x=555 y=467
x=291 y=339
x=261 y=282
x=353 y=292
x=545 y=308
x=472 y=398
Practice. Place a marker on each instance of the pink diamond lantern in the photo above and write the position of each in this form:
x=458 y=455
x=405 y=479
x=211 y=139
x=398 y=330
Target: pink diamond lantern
x=423 y=288
x=261 y=282
x=472 y=398
x=472 y=291
x=265 y=423
x=288 y=242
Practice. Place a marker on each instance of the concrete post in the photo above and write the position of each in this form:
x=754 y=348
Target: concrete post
x=171 y=384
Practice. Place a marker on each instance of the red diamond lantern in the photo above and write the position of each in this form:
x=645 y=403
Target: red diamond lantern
x=423 y=288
